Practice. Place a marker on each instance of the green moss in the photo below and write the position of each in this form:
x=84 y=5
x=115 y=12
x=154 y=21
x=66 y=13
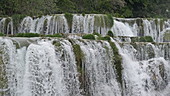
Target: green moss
x=142 y=39
x=89 y=36
x=117 y=62
x=94 y=33
x=1 y=34
x=148 y=39
x=69 y=18
x=27 y=35
x=104 y=38
x=79 y=58
x=103 y=20
x=109 y=20
x=110 y=33
x=98 y=21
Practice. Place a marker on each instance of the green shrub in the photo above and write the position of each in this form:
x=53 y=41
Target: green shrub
x=55 y=35
x=110 y=33
x=1 y=34
x=27 y=35
x=88 y=36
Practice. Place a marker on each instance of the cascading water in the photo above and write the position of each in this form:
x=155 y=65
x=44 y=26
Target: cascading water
x=72 y=66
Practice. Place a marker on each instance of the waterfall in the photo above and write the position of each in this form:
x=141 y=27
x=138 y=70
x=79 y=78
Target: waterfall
x=90 y=23
x=72 y=66
x=49 y=67
x=144 y=76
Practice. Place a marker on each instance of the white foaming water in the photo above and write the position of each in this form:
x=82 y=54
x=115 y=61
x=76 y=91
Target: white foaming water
x=148 y=77
x=48 y=68
x=39 y=70
x=44 y=25
x=121 y=29
x=100 y=74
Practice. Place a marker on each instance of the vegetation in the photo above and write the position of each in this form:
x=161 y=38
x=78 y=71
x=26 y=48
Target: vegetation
x=69 y=18
x=119 y=8
x=96 y=34
x=89 y=36
x=79 y=58
x=166 y=37
x=117 y=62
x=17 y=18
x=104 y=38
x=142 y=39
x=110 y=33
x=27 y=35
x=1 y=34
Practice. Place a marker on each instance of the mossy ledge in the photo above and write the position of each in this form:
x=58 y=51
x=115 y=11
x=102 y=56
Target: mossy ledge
x=117 y=62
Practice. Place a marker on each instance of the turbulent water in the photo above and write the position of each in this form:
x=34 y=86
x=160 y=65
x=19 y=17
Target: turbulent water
x=77 y=67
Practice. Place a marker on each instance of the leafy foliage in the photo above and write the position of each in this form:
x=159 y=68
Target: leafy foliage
x=118 y=8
